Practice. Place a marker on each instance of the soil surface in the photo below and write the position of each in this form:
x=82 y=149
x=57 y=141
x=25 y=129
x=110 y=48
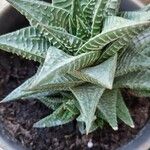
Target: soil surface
x=18 y=117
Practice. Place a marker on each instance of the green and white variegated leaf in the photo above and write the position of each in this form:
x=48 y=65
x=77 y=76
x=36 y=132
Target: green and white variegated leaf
x=63 y=39
x=142 y=42
x=60 y=116
x=60 y=83
x=112 y=7
x=117 y=46
x=27 y=42
x=59 y=63
x=102 y=74
x=136 y=15
x=130 y=61
x=107 y=106
x=135 y=80
x=51 y=102
x=88 y=10
x=42 y=13
x=100 y=41
x=115 y=22
x=123 y=112
x=98 y=17
x=77 y=11
x=65 y=4
x=88 y=97
x=21 y=93
x=146 y=8
x=82 y=30
x=141 y=93
x=83 y=3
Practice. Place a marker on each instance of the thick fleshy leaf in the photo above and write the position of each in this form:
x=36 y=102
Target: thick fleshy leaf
x=59 y=117
x=64 y=40
x=112 y=7
x=98 y=17
x=135 y=80
x=136 y=15
x=51 y=102
x=107 y=106
x=42 y=13
x=102 y=74
x=83 y=3
x=123 y=112
x=130 y=61
x=65 y=4
x=88 y=11
x=82 y=30
x=100 y=41
x=27 y=42
x=60 y=83
x=22 y=92
x=88 y=97
x=58 y=63
x=146 y=8
x=115 y=22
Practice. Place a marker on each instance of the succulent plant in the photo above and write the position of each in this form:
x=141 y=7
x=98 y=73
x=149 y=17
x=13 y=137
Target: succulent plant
x=88 y=52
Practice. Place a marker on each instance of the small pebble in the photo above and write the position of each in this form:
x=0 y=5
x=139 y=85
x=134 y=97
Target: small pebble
x=90 y=144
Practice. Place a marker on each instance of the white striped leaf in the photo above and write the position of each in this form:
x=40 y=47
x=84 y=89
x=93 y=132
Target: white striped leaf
x=107 y=106
x=100 y=41
x=59 y=117
x=98 y=17
x=58 y=63
x=135 y=80
x=88 y=97
x=123 y=112
x=136 y=15
x=102 y=74
x=112 y=7
x=44 y=14
x=27 y=42
x=65 y=4
x=88 y=10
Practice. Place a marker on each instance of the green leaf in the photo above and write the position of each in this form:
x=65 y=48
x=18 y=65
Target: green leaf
x=112 y=7
x=98 y=17
x=146 y=8
x=135 y=80
x=51 y=102
x=82 y=30
x=28 y=43
x=42 y=13
x=115 y=22
x=107 y=106
x=102 y=74
x=83 y=3
x=130 y=61
x=63 y=40
x=59 y=63
x=88 y=97
x=100 y=41
x=123 y=112
x=77 y=11
x=65 y=4
x=22 y=93
x=60 y=83
x=59 y=117
x=136 y=15
x=88 y=11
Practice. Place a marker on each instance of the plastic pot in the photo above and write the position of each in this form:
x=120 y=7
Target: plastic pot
x=11 y=20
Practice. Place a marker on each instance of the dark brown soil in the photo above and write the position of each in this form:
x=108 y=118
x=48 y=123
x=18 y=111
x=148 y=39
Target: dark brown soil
x=18 y=117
